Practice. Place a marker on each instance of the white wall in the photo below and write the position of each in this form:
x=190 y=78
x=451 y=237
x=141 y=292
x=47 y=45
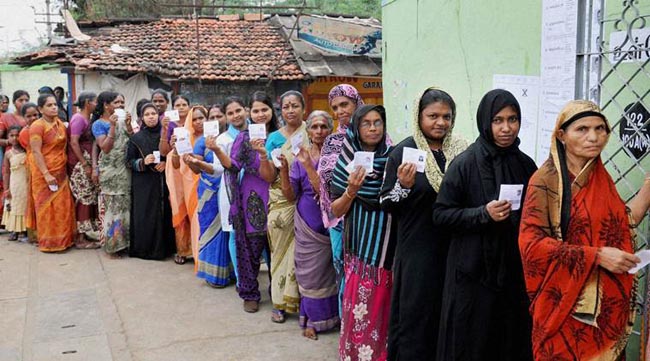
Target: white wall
x=20 y=32
x=31 y=80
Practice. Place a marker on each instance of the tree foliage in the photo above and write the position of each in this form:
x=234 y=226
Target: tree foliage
x=115 y=9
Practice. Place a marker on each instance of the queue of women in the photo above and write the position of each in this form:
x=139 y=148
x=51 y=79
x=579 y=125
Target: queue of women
x=412 y=260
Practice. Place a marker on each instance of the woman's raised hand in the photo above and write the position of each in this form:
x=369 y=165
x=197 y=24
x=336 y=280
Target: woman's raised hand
x=499 y=210
x=406 y=175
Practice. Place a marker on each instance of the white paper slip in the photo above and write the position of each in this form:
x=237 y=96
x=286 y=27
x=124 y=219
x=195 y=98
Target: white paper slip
x=53 y=187
x=415 y=156
x=257 y=131
x=156 y=156
x=365 y=160
x=181 y=132
x=296 y=142
x=211 y=129
x=275 y=155
x=173 y=115
x=183 y=146
x=121 y=114
x=645 y=260
x=512 y=193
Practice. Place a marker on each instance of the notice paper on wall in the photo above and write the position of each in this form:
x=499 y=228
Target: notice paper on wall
x=526 y=90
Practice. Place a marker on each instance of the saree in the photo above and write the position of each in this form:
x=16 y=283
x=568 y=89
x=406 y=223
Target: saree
x=214 y=257
x=580 y=310
x=84 y=191
x=369 y=242
x=183 y=183
x=315 y=272
x=115 y=189
x=284 y=287
x=30 y=213
x=54 y=233
x=249 y=196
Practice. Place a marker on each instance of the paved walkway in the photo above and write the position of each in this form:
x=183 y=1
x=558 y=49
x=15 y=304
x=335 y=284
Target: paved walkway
x=80 y=305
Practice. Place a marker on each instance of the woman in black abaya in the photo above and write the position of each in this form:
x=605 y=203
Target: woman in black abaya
x=485 y=306
x=152 y=235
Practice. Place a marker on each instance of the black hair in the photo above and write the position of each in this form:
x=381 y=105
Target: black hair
x=14 y=127
x=293 y=93
x=4 y=97
x=103 y=98
x=262 y=97
x=233 y=99
x=218 y=106
x=180 y=96
x=26 y=107
x=84 y=98
x=139 y=106
x=437 y=96
x=160 y=92
x=18 y=94
x=202 y=110
x=42 y=99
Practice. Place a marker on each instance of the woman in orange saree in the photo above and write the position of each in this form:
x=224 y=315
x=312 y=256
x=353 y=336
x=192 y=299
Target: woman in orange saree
x=182 y=184
x=51 y=193
x=577 y=245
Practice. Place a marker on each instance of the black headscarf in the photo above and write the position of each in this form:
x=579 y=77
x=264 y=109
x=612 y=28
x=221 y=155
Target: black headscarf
x=148 y=138
x=498 y=166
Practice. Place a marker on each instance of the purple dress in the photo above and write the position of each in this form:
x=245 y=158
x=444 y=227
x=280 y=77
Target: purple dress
x=313 y=257
x=248 y=210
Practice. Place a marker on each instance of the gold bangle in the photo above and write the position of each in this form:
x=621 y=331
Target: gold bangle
x=348 y=194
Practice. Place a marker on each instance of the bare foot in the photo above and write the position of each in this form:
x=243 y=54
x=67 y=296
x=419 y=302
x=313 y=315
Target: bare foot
x=310 y=333
x=114 y=255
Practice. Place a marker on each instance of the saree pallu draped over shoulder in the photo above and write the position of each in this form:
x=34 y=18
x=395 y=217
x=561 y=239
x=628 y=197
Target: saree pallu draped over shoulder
x=573 y=300
x=284 y=286
x=54 y=210
x=580 y=311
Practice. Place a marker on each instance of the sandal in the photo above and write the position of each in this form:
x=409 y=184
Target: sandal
x=13 y=237
x=215 y=285
x=180 y=259
x=278 y=316
x=86 y=245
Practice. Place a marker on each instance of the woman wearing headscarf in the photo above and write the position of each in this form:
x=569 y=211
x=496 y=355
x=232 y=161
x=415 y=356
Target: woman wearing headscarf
x=112 y=137
x=577 y=244
x=284 y=288
x=152 y=235
x=368 y=238
x=183 y=184
x=485 y=306
x=421 y=249
x=50 y=187
x=344 y=100
x=315 y=273
x=84 y=191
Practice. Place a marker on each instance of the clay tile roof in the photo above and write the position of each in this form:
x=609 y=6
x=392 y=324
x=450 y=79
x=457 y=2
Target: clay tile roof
x=229 y=50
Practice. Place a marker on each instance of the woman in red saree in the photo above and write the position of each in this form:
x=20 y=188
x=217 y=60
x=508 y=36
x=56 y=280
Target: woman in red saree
x=577 y=245
x=50 y=186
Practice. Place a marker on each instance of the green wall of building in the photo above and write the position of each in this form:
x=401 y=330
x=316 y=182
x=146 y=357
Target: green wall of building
x=457 y=46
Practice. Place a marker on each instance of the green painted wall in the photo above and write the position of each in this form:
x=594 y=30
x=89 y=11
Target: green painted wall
x=457 y=46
